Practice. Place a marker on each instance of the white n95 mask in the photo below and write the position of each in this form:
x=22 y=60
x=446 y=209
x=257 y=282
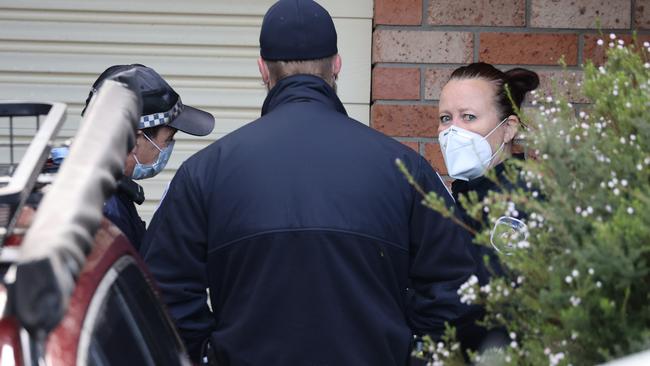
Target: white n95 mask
x=467 y=154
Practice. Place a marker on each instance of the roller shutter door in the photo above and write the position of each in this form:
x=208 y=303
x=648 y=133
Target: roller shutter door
x=207 y=50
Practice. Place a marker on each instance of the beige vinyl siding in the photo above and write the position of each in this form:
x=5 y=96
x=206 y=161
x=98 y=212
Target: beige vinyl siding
x=207 y=50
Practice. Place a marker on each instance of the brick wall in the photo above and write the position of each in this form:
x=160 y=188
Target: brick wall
x=418 y=43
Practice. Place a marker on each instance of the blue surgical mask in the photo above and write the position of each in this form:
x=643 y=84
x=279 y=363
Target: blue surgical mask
x=143 y=171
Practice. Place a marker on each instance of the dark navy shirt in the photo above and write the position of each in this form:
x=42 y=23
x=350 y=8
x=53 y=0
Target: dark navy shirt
x=315 y=248
x=120 y=209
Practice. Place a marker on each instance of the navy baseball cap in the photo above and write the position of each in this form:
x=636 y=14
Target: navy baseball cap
x=161 y=105
x=296 y=30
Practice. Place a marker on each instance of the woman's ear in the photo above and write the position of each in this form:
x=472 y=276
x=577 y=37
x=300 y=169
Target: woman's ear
x=512 y=127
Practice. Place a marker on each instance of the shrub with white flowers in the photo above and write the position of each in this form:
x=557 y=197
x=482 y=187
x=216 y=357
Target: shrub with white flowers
x=577 y=289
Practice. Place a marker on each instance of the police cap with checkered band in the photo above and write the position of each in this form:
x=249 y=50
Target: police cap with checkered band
x=161 y=105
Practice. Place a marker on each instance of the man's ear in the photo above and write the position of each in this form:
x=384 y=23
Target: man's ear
x=336 y=65
x=512 y=127
x=264 y=70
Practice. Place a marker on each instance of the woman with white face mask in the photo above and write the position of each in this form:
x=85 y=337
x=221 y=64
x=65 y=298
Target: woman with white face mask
x=476 y=131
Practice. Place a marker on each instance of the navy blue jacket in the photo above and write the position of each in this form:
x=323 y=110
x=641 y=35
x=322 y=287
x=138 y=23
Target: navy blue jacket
x=121 y=210
x=315 y=248
x=471 y=335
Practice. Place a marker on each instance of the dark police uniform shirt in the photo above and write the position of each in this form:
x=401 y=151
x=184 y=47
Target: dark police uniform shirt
x=120 y=209
x=471 y=335
x=315 y=248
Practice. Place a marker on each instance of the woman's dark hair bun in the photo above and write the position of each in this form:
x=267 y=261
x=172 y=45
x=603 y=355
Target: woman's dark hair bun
x=522 y=79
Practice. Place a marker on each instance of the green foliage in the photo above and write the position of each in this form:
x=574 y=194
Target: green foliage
x=577 y=290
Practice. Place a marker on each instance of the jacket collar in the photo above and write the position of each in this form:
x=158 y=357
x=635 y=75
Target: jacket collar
x=481 y=183
x=302 y=88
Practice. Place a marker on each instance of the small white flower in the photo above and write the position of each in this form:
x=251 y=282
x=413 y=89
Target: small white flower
x=513 y=344
x=647 y=65
x=575 y=301
x=508 y=359
x=568 y=279
x=630 y=210
x=628 y=104
x=575 y=273
x=612 y=36
x=624 y=182
x=646 y=44
x=616 y=191
x=599 y=284
x=535 y=193
x=591 y=271
x=608 y=208
x=578 y=209
x=549 y=99
x=639 y=167
x=547 y=351
x=599 y=42
x=513 y=335
x=574 y=335
x=582 y=114
x=615 y=92
x=590 y=210
x=611 y=44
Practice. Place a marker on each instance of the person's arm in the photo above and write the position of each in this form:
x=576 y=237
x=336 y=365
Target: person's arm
x=175 y=250
x=440 y=260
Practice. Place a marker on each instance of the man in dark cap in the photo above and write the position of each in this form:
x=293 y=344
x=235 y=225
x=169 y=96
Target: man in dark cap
x=314 y=247
x=163 y=113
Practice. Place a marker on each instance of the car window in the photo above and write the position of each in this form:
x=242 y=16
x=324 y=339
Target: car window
x=116 y=339
x=125 y=324
x=152 y=321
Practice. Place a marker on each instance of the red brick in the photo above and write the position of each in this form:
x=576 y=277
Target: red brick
x=422 y=46
x=477 y=12
x=567 y=83
x=398 y=12
x=434 y=80
x=405 y=120
x=413 y=145
x=395 y=83
x=642 y=14
x=528 y=49
x=580 y=14
x=597 y=54
x=433 y=154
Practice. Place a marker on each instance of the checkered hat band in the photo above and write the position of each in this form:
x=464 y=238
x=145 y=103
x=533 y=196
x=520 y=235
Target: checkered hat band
x=161 y=118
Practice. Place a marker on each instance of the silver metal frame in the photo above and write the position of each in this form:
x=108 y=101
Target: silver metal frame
x=24 y=177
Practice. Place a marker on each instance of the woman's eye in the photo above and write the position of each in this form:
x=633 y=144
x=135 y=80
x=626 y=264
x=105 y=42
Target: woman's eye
x=469 y=117
x=445 y=119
